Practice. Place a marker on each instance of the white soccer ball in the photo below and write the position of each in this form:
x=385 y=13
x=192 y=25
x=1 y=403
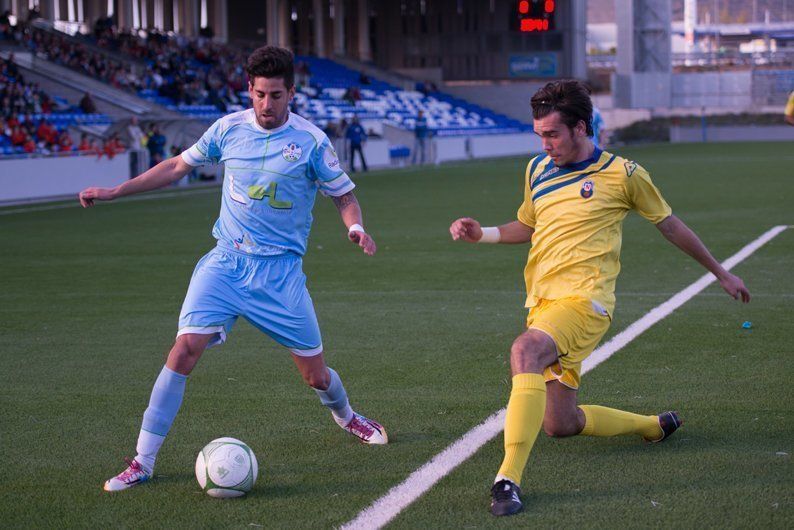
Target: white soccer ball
x=226 y=467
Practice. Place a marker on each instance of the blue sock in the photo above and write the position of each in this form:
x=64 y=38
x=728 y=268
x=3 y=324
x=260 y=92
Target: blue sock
x=163 y=406
x=335 y=398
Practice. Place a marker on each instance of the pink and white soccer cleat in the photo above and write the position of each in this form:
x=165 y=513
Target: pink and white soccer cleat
x=132 y=476
x=366 y=430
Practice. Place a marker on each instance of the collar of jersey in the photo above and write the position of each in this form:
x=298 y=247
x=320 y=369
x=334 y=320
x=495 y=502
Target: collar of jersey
x=552 y=187
x=566 y=169
x=252 y=121
x=578 y=166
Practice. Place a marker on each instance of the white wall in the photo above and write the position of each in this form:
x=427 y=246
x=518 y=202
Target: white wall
x=41 y=178
x=713 y=89
x=447 y=149
x=492 y=145
x=733 y=133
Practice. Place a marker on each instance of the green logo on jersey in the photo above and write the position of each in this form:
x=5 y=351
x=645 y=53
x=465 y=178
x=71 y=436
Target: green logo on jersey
x=259 y=192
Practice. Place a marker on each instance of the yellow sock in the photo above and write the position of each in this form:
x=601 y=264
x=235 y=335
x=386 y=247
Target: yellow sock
x=522 y=424
x=603 y=421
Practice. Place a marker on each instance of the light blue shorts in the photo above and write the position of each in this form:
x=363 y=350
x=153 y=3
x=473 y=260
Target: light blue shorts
x=270 y=292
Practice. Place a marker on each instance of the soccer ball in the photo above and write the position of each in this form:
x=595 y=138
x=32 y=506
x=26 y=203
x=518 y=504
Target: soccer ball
x=226 y=467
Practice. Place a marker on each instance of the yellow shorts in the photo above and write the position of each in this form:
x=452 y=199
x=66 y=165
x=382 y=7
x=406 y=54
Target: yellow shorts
x=577 y=326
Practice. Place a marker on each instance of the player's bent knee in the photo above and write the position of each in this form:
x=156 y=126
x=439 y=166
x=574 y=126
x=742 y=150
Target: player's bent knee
x=560 y=430
x=319 y=380
x=188 y=348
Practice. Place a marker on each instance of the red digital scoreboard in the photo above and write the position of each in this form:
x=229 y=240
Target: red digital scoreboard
x=536 y=15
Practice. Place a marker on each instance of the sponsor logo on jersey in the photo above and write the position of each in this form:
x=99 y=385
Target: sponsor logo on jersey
x=587 y=189
x=292 y=152
x=630 y=167
x=330 y=159
x=233 y=193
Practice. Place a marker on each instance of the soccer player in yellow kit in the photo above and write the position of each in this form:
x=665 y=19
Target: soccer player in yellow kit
x=788 y=113
x=575 y=199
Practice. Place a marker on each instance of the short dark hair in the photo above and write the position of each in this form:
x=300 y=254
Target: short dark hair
x=271 y=61
x=571 y=98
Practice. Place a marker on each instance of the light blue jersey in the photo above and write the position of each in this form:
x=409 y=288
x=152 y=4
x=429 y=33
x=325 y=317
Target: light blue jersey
x=598 y=125
x=270 y=182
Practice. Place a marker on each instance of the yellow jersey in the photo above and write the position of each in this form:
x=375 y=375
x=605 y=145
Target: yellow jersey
x=577 y=212
x=790 y=105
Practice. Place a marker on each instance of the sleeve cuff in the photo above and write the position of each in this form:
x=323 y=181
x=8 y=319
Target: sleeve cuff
x=347 y=187
x=193 y=157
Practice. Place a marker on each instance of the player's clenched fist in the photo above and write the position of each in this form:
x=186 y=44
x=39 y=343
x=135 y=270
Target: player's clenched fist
x=466 y=229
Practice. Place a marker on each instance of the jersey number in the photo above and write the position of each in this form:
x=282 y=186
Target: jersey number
x=260 y=192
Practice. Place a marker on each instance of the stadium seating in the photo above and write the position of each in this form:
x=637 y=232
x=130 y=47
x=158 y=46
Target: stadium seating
x=324 y=100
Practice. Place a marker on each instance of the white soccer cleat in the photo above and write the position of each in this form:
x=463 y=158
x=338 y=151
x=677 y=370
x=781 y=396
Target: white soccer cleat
x=366 y=430
x=132 y=476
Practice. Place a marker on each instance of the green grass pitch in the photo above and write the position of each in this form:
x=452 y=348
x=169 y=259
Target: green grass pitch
x=420 y=334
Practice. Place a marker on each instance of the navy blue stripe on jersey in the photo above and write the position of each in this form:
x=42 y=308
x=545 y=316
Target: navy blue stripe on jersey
x=568 y=169
x=535 y=163
x=574 y=180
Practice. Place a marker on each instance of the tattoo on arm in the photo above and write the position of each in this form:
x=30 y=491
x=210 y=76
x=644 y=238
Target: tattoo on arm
x=345 y=200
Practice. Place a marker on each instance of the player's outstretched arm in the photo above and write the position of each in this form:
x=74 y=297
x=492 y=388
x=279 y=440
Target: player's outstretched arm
x=350 y=211
x=469 y=230
x=162 y=174
x=679 y=234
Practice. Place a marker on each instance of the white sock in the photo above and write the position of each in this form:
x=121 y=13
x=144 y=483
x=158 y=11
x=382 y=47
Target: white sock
x=148 y=446
x=343 y=417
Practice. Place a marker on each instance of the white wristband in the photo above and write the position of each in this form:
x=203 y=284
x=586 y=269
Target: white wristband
x=490 y=234
x=356 y=228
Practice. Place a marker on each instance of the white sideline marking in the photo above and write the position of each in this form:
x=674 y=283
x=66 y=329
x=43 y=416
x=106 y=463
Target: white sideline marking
x=76 y=203
x=383 y=510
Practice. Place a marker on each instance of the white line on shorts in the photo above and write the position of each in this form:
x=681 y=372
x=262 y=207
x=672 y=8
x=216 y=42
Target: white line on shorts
x=386 y=508
x=145 y=197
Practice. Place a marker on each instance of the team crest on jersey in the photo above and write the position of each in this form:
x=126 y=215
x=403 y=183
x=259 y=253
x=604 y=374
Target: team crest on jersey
x=292 y=152
x=587 y=189
x=630 y=167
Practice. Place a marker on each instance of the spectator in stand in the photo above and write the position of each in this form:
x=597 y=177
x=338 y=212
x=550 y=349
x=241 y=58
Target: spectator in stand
x=28 y=125
x=302 y=74
x=46 y=132
x=18 y=136
x=97 y=148
x=116 y=144
x=65 y=143
x=29 y=145
x=85 y=144
x=156 y=146
x=356 y=136
x=87 y=104
x=352 y=95
x=10 y=67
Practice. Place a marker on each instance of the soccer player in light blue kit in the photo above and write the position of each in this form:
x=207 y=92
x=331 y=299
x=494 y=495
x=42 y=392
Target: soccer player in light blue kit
x=275 y=162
